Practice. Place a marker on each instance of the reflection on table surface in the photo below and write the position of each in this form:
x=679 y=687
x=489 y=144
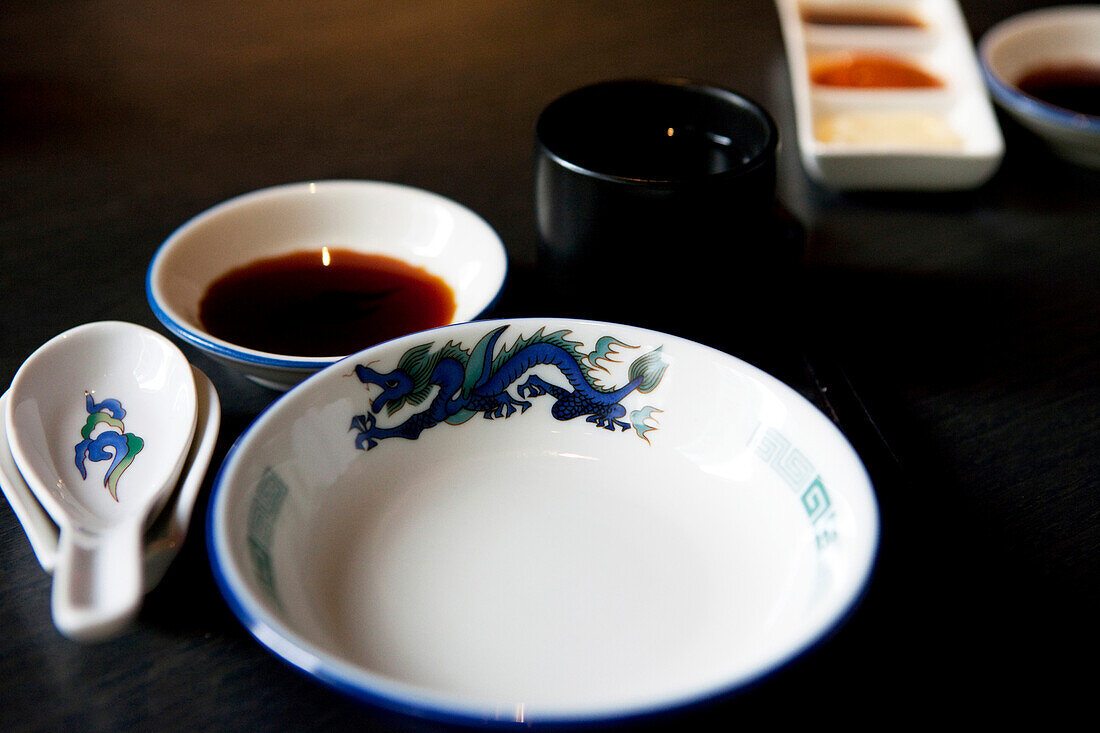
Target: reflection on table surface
x=952 y=336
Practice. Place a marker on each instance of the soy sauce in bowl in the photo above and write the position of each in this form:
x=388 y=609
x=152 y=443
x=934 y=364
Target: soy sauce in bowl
x=1073 y=87
x=327 y=302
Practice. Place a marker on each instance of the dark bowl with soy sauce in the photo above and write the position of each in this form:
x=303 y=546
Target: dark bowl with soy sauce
x=1043 y=68
x=282 y=282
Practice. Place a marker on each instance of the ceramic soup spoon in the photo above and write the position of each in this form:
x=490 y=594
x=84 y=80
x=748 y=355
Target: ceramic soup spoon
x=99 y=421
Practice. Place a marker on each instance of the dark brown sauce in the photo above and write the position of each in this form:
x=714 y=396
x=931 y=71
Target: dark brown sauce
x=865 y=17
x=298 y=305
x=1073 y=87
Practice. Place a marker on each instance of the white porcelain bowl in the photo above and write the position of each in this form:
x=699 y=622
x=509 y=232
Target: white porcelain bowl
x=541 y=520
x=421 y=228
x=1025 y=42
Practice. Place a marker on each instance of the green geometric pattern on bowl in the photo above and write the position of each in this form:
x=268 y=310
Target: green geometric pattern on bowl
x=791 y=465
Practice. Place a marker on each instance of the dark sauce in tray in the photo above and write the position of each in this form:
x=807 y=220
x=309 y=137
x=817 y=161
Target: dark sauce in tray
x=1074 y=87
x=858 y=16
x=328 y=302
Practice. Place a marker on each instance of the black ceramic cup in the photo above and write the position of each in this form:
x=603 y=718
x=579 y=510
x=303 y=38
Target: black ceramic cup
x=648 y=191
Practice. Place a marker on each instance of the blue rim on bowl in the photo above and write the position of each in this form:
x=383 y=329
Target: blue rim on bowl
x=1010 y=96
x=283 y=370
x=695 y=474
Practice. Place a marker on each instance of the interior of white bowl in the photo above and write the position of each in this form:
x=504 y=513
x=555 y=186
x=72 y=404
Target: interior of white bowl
x=1048 y=37
x=421 y=228
x=534 y=567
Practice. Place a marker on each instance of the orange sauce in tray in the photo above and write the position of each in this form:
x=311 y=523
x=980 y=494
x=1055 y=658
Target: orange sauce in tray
x=871 y=71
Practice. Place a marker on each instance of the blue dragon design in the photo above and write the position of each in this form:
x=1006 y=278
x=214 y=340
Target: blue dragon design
x=478 y=381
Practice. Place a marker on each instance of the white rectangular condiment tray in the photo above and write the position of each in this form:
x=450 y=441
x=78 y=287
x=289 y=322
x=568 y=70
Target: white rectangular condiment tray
x=888 y=95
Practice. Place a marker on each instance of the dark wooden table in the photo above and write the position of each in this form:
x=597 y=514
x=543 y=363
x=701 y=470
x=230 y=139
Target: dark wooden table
x=953 y=337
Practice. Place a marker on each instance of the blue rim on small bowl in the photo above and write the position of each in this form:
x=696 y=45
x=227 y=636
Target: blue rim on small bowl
x=710 y=444
x=476 y=268
x=1009 y=96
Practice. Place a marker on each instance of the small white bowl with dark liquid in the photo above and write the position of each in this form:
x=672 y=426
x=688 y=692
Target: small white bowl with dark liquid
x=281 y=282
x=1043 y=69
